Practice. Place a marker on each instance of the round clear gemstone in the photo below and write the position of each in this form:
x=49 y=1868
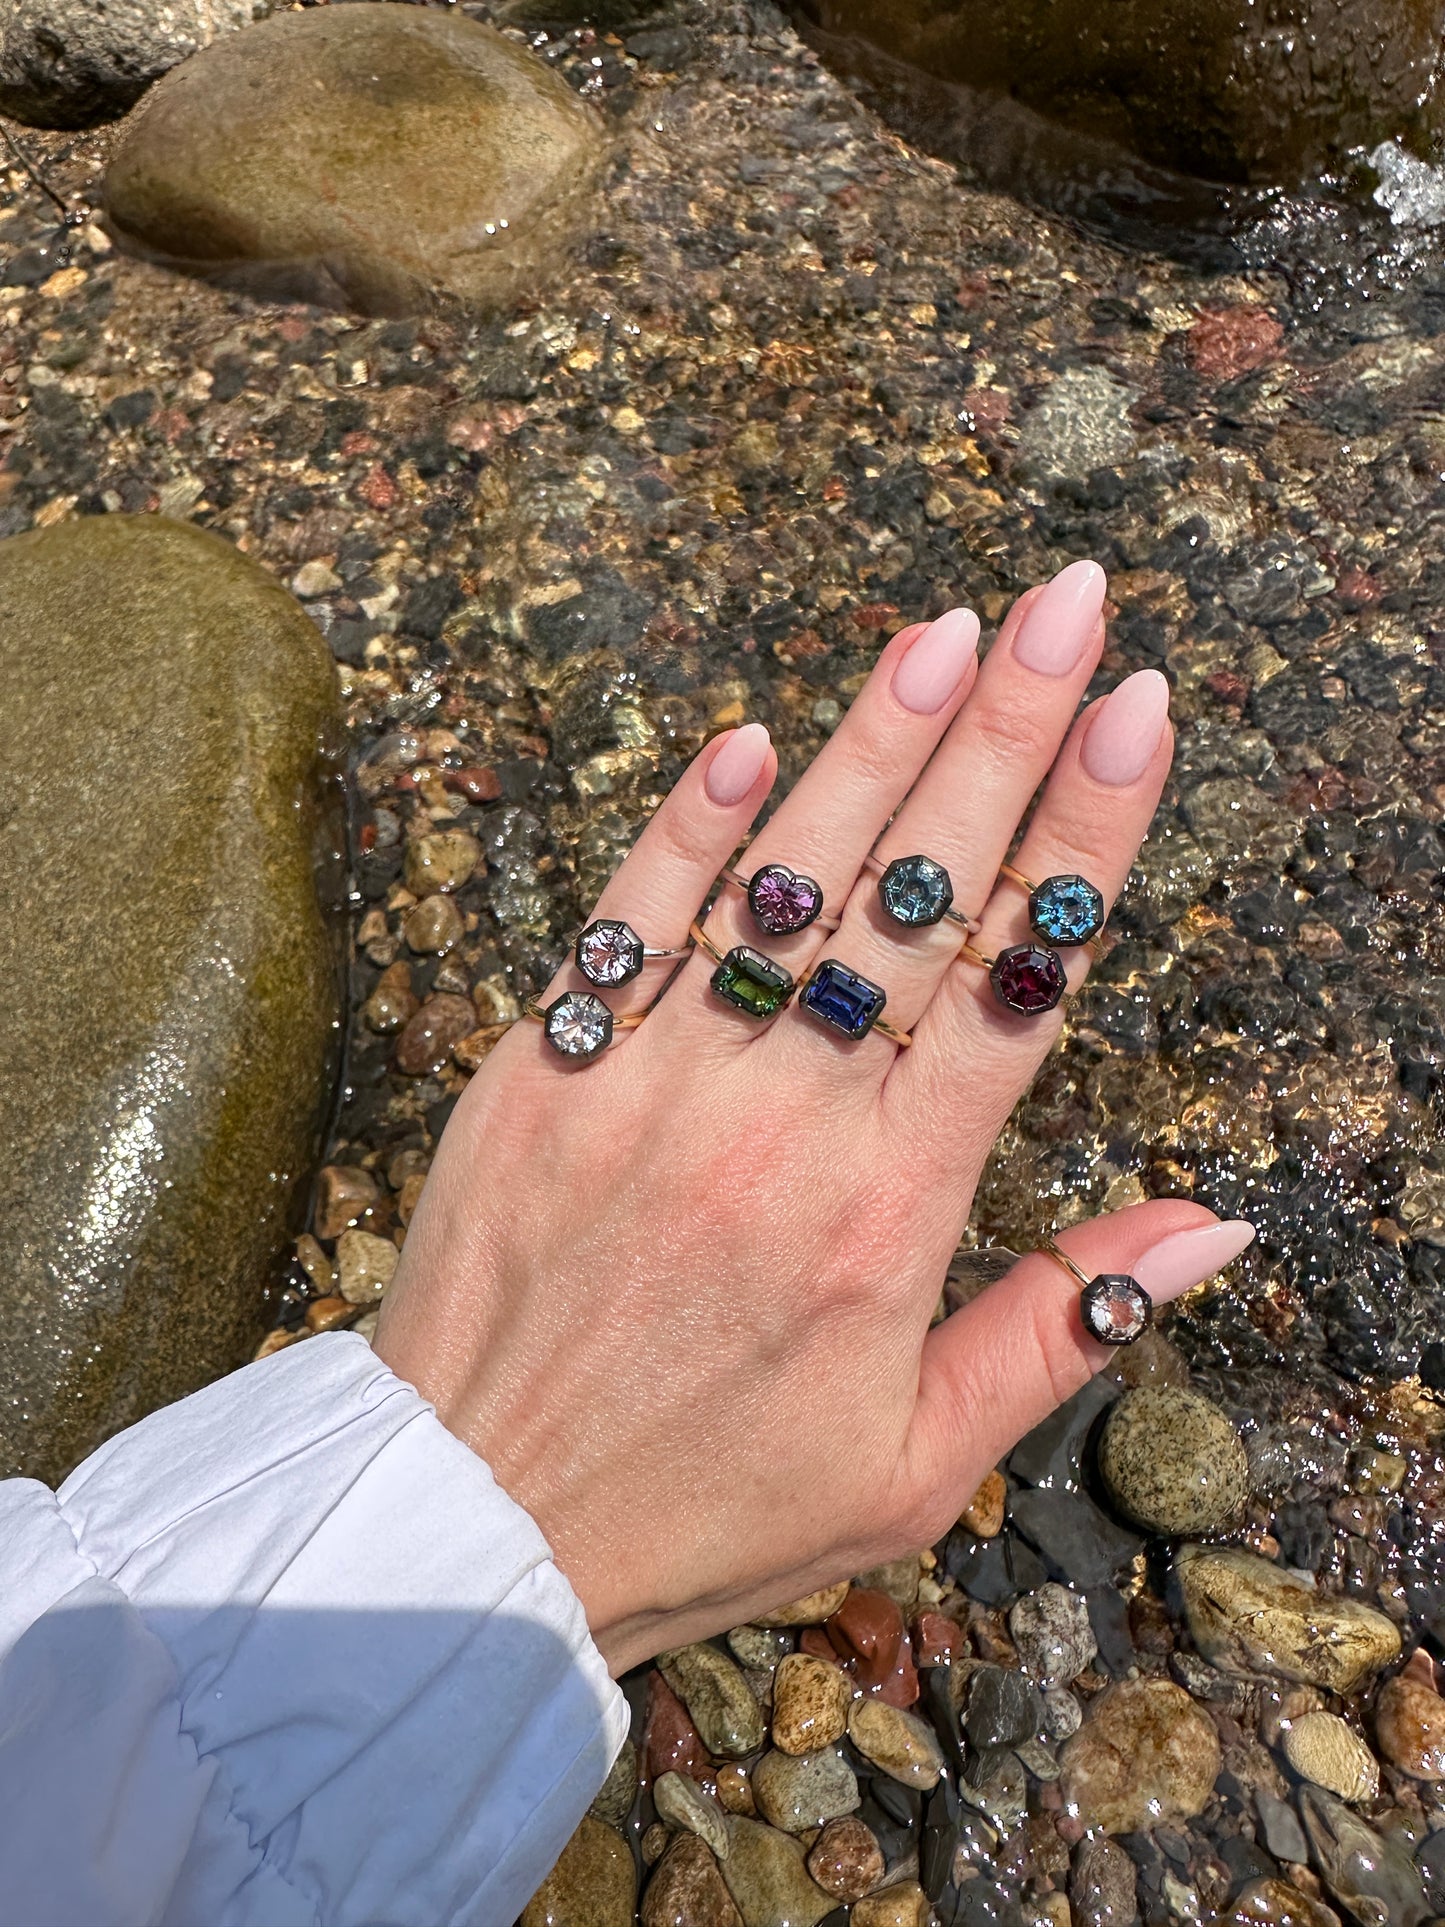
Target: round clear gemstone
x=1115 y=1308
x=609 y=952
x=578 y=1025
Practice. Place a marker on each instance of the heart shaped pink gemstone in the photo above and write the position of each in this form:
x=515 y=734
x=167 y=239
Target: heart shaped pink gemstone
x=783 y=902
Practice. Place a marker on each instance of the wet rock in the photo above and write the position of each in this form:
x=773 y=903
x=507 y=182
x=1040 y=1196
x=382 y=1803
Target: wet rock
x=1216 y=90
x=1410 y=1727
x=898 y=1578
x=1102 y=1885
x=64 y=63
x=905 y=1905
x=735 y=1789
x=1052 y=1453
x=686 y=1890
x=811 y=1610
x=1323 y=1749
x=441 y=860
x=1080 y=423
x=846 y=1859
x=1080 y=1542
x=592 y=1885
x=344 y=1193
x=1145 y=1756
x=1248 y=1616
x=798 y=1792
x=614 y=1801
x=433 y=1032
x=1275 y=1903
x=670 y=1741
x=1370 y=1873
x=1004 y=1709
x=717 y=1699
x=984 y=1512
x=364 y=1266
x=759 y=1648
x=393 y=1001
x=1172 y=1462
x=1280 y=1828
x=867 y=1630
x=456 y=166
x=767 y=1876
x=1062 y=1713
x=682 y=1803
x=169 y=1038
x=897 y=1741
x=810 y=1704
x=434 y=927
x=1052 y=1632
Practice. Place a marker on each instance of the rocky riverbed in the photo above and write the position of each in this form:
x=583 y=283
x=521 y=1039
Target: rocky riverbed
x=795 y=386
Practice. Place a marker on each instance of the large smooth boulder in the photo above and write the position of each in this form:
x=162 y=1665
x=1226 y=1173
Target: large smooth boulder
x=70 y=63
x=1263 y=92
x=381 y=158
x=170 y=957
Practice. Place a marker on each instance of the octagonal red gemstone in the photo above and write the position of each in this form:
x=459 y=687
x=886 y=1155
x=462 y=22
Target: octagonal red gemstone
x=1028 y=978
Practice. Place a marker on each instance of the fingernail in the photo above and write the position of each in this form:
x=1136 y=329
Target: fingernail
x=1125 y=730
x=737 y=765
x=1060 y=625
x=936 y=663
x=1178 y=1263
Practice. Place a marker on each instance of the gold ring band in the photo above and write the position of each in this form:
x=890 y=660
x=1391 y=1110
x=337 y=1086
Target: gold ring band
x=1061 y=1257
x=533 y=1008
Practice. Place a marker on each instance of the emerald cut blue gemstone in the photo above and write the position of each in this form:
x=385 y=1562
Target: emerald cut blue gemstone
x=839 y=997
x=1066 y=910
x=915 y=890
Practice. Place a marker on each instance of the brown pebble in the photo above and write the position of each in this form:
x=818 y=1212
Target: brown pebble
x=442 y=860
x=984 y=1512
x=670 y=1741
x=654 y=1843
x=1410 y=1727
x=867 y=1629
x=275 y=1341
x=687 y=1890
x=810 y=1704
x=325 y=1314
x=317 y=1266
x=344 y=1194
x=937 y=1640
x=364 y=1266
x=811 y=1610
x=393 y=1001
x=434 y=927
x=472 y=1051
x=426 y=1043
x=902 y=1906
x=410 y=1196
x=735 y=1789
x=846 y=1859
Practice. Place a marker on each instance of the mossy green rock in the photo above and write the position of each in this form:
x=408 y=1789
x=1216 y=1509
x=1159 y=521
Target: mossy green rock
x=383 y=158
x=1262 y=92
x=171 y=967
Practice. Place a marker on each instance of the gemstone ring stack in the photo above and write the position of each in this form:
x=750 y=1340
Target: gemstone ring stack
x=1115 y=1308
x=916 y=891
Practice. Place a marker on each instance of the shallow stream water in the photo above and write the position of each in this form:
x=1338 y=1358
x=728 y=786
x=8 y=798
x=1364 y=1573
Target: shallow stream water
x=804 y=385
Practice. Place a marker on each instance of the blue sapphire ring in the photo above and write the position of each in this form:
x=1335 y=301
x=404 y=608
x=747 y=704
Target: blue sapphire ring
x=847 y=1002
x=916 y=891
x=1064 y=910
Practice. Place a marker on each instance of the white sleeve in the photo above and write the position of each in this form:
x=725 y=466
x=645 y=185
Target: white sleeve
x=285 y=1655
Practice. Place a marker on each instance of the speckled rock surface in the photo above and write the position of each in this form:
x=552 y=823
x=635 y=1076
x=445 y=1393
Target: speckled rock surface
x=767 y=1876
x=1324 y=1750
x=1172 y=1462
x=172 y=983
x=455 y=166
x=1145 y=1756
x=592 y=1885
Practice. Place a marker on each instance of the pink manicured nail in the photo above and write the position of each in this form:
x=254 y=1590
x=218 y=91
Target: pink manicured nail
x=936 y=663
x=1125 y=730
x=737 y=765
x=1060 y=625
x=1176 y=1264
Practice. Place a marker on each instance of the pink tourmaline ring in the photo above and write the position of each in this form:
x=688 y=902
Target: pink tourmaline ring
x=1028 y=978
x=1115 y=1308
x=782 y=900
x=610 y=953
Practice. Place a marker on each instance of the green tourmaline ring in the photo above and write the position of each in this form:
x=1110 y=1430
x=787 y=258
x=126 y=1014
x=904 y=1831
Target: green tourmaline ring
x=917 y=891
x=1065 y=909
x=745 y=978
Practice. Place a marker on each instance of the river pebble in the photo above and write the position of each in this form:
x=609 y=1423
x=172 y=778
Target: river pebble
x=434 y=926
x=867 y=1632
x=1249 y=1616
x=440 y=860
x=364 y=1266
x=1102 y=1884
x=1052 y=1632
x=1275 y=1903
x=846 y=1859
x=1410 y=1727
x=593 y=1883
x=811 y=1610
x=1172 y=1462
x=897 y=1741
x=681 y=1802
x=798 y=1792
x=687 y=1890
x=618 y=1791
x=1322 y=1748
x=905 y=1905
x=768 y=1878
x=1145 y=1756
x=735 y=1789
x=717 y=1698
x=426 y=1042
x=810 y=1704
x=984 y=1513
x=758 y=1648
x=344 y=1194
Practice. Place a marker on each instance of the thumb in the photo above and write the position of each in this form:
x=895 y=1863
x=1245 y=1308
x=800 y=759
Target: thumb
x=998 y=1367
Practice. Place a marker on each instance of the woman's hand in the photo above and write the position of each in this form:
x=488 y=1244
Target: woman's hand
x=680 y=1300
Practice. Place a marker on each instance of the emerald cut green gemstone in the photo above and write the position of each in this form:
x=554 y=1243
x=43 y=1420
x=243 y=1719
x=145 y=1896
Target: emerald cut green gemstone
x=752 y=982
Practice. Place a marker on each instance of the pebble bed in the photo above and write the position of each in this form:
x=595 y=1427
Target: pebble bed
x=799 y=387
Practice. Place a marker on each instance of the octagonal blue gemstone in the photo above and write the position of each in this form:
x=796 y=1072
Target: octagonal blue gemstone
x=915 y=890
x=1066 y=910
x=840 y=998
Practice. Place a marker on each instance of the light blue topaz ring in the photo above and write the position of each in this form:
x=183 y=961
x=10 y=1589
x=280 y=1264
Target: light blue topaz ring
x=916 y=892
x=1066 y=910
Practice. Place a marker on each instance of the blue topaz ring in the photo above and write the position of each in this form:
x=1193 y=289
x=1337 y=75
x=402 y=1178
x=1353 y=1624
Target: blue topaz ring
x=1064 y=910
x=847 y=1002
x=610 y=953
x=578 y=1025
x=1115 y=1308
x=782 y=901
x=745 y=978
x=916 y=891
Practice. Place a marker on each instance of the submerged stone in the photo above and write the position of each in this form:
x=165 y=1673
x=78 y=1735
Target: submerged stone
x=1250 y=1617
x=383 y=158
x=172 y=990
